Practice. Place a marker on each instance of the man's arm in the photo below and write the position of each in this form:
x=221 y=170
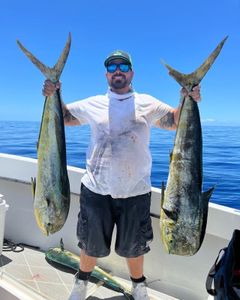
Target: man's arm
x=48 y=89
x=170 y=120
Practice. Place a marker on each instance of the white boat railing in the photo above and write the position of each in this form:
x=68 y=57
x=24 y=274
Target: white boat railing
x=12 y=166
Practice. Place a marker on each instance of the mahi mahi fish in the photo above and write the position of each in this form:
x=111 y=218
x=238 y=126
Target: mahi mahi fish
x=184 y=207
x=64 y=258
x=51 y=187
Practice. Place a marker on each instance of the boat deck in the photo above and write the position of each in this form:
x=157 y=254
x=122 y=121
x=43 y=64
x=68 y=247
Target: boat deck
x=29 y=270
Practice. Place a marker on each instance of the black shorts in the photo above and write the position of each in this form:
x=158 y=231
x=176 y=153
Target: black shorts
x=98 y=215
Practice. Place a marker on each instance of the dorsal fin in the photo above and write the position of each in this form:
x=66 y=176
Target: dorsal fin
x=61 y=245
x=162 y=195
x=33 y=182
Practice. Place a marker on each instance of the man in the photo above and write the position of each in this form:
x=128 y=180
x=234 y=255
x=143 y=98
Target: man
x=116 y=187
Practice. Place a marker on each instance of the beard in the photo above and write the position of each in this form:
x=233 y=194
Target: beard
x=119 y=82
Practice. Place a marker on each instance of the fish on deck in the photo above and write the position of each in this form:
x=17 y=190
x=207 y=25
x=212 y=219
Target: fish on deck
x=60 y=257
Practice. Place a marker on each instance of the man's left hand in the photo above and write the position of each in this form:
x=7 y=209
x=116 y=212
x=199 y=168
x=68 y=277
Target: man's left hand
x=195 y=93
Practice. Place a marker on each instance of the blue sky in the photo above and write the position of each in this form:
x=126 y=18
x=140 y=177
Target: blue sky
x=182 y=33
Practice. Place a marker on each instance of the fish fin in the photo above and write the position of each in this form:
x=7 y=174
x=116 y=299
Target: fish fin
x=51 y=73
x=188 y=81
x=205 y=198
x=171 y=214
x=40 y=130
x=61 y=245
x=162 y=194
x=33 y=181
x=128 y=296
x=63 y=57
x=207 y=195
x=170 y=156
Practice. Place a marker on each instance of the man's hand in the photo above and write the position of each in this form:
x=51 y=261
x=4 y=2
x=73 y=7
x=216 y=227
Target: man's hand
x=48 y=90
x=49 y=87
x=195 y=93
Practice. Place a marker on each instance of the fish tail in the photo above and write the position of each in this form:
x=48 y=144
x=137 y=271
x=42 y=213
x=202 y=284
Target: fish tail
x=188 y=81
x=50 y=73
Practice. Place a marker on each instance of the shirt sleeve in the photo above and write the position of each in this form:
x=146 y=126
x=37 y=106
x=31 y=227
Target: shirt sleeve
x=161 y=110
x=78 y=110
x=156 y=109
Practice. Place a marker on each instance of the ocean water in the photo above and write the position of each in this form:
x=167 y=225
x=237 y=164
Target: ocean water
x=221 y=154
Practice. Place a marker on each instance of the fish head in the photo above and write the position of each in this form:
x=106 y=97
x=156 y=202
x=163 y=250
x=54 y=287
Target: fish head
x=180 y=238
x=49 y=218
x=167 y=233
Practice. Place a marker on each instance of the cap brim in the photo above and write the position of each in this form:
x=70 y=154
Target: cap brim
x=108 y=60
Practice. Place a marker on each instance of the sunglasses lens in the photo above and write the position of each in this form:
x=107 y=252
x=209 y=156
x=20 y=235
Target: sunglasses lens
x=124 y=67
x=112 y=68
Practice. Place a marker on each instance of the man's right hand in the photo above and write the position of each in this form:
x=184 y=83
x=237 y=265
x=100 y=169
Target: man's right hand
x=49 y=87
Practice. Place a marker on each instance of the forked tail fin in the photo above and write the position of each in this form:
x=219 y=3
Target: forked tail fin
x=53 y=73
x=188 y=81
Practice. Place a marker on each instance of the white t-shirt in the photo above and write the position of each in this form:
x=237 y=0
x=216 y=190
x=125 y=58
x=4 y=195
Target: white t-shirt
x=118 y=158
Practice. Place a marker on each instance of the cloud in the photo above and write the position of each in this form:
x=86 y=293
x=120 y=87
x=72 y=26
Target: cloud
x=209 y=120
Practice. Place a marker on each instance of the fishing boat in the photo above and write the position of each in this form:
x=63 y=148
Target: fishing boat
x=26 y=274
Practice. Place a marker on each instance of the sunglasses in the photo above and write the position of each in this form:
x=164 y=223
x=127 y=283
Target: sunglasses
x=111 y=68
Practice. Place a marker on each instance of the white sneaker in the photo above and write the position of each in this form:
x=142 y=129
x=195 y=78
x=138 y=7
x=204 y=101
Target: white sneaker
x=79 y=290
x=139 y=291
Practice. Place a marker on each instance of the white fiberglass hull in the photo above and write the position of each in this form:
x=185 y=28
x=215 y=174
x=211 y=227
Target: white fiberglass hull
x=181 y=277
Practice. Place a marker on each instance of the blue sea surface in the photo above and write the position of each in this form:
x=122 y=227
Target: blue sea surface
x=221 y=154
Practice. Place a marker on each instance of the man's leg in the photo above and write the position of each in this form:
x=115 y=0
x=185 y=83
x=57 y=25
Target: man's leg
x=139 y=290
x=94 y=231
x=87 y=264
x=135 y=266
x=134 y=234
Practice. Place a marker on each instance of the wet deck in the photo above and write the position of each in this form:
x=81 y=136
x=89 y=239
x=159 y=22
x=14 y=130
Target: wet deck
x=30 y=269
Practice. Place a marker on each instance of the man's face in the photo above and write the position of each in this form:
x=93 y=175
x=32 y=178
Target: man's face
x=119 y=80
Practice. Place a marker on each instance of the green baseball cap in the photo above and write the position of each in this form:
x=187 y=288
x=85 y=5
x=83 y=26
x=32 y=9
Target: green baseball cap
x=118 y=54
